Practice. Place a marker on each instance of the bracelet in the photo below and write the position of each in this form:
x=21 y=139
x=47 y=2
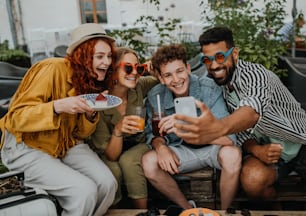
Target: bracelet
x=116 y=135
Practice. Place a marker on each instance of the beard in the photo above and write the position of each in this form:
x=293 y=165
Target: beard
x=229 y=74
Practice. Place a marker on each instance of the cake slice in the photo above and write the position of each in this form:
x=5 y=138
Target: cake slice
x=101 y=101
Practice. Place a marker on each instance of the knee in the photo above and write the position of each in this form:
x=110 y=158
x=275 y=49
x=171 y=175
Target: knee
x=256 y=176
x=149 y=163
x=125 y=157
x=84 y=189
x=107 y=184
x=252 y=171
x=230 y=158
x=126 y=160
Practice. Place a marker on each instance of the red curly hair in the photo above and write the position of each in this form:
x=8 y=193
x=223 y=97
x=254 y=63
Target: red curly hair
x=84 y=79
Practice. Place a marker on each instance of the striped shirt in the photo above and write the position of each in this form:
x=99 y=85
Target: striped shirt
x=281 y=116
x=285 y=33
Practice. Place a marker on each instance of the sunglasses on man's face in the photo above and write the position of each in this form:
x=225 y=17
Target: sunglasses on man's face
x=128 y=68
x=219 y=57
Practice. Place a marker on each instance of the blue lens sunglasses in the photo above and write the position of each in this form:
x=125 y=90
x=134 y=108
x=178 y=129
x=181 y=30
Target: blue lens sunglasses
x=219 y=57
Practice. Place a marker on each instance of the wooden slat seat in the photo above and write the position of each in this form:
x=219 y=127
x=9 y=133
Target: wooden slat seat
x=197 y=185
x=291 y=194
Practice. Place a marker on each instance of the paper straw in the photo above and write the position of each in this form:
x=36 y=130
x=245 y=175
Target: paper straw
x=158 y=106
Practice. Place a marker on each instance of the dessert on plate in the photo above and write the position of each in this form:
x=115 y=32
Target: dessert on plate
x=101 y=100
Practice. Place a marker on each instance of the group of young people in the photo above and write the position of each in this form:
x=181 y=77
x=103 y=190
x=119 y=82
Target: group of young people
x=249 y=125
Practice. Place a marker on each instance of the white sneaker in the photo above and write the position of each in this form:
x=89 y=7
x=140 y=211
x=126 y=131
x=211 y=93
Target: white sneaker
x=192 y=203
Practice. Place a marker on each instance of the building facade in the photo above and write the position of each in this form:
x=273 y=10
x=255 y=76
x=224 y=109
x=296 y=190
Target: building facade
x=42 y=25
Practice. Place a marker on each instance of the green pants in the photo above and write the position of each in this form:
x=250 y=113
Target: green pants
x=128 y=171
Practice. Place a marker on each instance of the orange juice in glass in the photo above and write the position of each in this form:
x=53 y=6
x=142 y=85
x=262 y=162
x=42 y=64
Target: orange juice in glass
x=141 y=113
x=141 y=124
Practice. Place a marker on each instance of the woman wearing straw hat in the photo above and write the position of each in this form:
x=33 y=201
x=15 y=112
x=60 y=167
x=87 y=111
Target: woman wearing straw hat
x=47 y=122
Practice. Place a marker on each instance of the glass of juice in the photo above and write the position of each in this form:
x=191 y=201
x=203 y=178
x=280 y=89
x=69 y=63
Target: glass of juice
x=141 y=113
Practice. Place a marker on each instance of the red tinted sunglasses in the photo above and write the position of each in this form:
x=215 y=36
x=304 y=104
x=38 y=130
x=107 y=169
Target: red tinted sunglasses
x=128 y=68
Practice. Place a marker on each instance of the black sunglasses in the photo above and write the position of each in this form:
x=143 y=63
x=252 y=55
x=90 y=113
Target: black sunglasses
x=128 y=68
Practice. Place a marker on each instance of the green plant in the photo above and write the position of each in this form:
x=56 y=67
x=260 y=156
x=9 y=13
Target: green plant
x=254 y=28
x=13 y=56
x=131 y=38
x=193 y=48
x=134 y=37
x=162 y=28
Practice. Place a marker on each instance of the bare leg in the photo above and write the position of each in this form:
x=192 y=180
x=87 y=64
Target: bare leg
x=162 y=180
x=257 y=178
x=230 y=161
x=140 y=203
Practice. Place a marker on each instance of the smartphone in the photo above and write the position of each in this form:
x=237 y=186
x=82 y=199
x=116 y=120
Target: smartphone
x=185 y=106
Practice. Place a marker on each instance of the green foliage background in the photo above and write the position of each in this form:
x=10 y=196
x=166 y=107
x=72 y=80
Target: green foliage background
x=14 y=56
x=254 y=28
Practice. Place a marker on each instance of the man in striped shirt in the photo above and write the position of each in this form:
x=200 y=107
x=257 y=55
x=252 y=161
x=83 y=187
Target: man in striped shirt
x=270 y=124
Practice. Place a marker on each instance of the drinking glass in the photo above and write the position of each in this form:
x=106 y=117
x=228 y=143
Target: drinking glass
x=156 y=117
x=141 y=113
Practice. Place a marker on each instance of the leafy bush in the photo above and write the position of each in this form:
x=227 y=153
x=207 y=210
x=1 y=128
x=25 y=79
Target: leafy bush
x=254 y=28
x=134 y=37
x=131 y=38
x=14 y=56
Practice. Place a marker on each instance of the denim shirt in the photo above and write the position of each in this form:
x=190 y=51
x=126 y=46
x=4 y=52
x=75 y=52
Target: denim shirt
x=203 y=89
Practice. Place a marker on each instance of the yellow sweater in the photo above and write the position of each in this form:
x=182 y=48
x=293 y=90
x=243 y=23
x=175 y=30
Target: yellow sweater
x=30 y=117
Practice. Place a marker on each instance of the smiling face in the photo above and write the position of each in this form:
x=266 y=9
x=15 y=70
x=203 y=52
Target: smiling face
x=124 y=79
x=102 y=59
x=221 y=73
x=175 y=75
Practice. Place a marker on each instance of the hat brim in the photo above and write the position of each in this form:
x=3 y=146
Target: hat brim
x=74 y=45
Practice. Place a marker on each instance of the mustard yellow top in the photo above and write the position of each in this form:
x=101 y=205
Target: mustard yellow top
x=30 y=117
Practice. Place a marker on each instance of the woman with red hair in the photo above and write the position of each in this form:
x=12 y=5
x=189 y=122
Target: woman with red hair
x=47 y=122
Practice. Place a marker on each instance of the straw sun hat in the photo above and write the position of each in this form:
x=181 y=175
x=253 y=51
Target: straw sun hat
x=85 y=32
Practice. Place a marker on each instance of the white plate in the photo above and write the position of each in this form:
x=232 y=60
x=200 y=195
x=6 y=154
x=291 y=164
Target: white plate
x=112 y=101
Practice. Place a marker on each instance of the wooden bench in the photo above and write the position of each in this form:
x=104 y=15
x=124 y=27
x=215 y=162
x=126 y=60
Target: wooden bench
x=198 y=186
x=291 y=196
x=202 y=186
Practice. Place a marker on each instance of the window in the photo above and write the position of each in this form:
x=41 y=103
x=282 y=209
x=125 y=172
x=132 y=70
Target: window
x=93 y=11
